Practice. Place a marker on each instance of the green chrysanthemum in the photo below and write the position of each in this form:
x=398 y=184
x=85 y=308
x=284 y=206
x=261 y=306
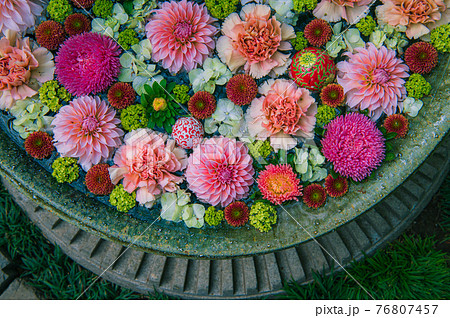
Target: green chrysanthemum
x=260 y=148
x=213 y=216
x=103 y=8
x=300 y=42
x=65 y=169
x=417 y=86
x=121 y=199
x=366 y=25
x=220 y=9
x=181 y=93
x=127 y=38
x=325 y=114
x=263 y=216
x=59 y=10
x=440 y=38
x=52 y=94
x=134 y=117
x=303 y=5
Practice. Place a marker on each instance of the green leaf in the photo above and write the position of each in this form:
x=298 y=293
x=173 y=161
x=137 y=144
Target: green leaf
x=151 y=124
x=319 y=131
x=144 y=100
x=170 y=87
x=389 y=156
x=334 y=174
x=168 y=127
x=389 y=147
x=390 y=135
x=383 y=130
x=148 y=89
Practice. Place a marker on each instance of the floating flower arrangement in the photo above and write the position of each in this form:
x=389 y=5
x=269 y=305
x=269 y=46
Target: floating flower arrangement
x=216 y=113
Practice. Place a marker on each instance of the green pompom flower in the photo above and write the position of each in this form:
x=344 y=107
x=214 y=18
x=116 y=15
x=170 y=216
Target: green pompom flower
x=221 y=9
x=303 y=5
x=299 y=43
x=103 y=8
x=417 y=86
x=325 y=114
x=121 y=199
x=366 y=25
x=127 y=38
x=51 y=95
x=181 y=93
x=262 y=216
x=65 y=169
x=134 y=117
x=59 y=10
x=440 y=38
x=260 y=148
x=213 y=217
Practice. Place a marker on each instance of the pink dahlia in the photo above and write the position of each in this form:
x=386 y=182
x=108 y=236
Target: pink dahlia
x=254 y=40
x=86 y=129
x=88 y=63
x=335 y=10
x=220 y=171
x=23 y=67
x=17 y=15
x=354 y=145
x=147 y=163
x=283 y=112
x=373 y=79
x=181 y=34
x=279 y=183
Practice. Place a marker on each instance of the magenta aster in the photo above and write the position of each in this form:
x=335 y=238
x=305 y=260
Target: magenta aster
x=181 y=34
x=279 y=183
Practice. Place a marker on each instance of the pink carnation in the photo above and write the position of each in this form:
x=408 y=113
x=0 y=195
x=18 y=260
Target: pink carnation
x=181 y=34
x=283 y=112
x=88 y=63
x=86 y=129
x=354 y=145
x=373 y=79
x=20 y=66
x=220 y=171
x=17 y=15
x=254 y=40
x=335 y=10
x=147 y=163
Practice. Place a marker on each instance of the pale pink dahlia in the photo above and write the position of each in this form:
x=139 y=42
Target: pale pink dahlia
x=254 y=40
x=335 y=10
x=181 y=34
x=373 y=79
x=88 y=63
x=285 y=111
x=17 y=15
x=86 y=129
x=220 y=171
x=23 y=67
x=147 y=162
x=354 y=145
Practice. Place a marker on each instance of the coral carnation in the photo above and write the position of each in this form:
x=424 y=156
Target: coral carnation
x=220 y=171
x=332 y=95
x=279 y=183
x=202 y=105
x=83 y=4
x=88 y=63
x=314 y=196
x=335 y=10
x=421 y=57
x=77 y=23
x=86 y=129
x=50 y=34
x=354 y=145
x=318 y=32
x=236 y=213
x=396 y=123
x=17 y=15
x=121 y=95
x=181 y=34
x=98 y=181
x=39 y=145
x=373 y=79
x=336 y=187
x=242 y=89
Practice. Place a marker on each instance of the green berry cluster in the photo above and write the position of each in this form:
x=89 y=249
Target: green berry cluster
x=65 y=169
x=260 y=148
x=417 y=86
x=303 y=5
x=366 y=25
x=263 y=216
x=213 y=217
x=51 y=95
x=325 y=114
x=220 y=9
x=59 y=10
x=440 y=38
x=181 y=93
x=300 y=42
x=127 y=38
x=134 y=117
x=103 y=8
x=121 y=199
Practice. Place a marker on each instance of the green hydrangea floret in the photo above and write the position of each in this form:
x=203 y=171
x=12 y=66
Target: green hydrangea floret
x=221 y=9
x=181 y=93
x=260 y=148
x=51 y=95
x=65 y=169
x=59 y=10
x=262 y=216
x=366 y=25
x=213 y=216
x=325 y=114
x=103 y=8
x=417 y=86
x=440 y=38
x=300 y=42
x=121 y=199
x=134 y=117
x=303 y=5
x=127 y=38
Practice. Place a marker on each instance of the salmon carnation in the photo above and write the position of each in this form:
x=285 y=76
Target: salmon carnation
x=254 y=40
x=39 y=145
x=236 y=214
x=17 y=15
x=421 y=57
x=285 y=111
x=373 y=79
x=181 y=34
x=98 y=181
x=50 y=34
x=279 y=183
x=86 y=129
x=220 y=171
x=147 y=163
x=335 y=10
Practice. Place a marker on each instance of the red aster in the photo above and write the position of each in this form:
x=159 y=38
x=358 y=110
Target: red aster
x=421 y=57
x=318 y=32
x=242 y=89
x=98 y=181
x=121 y=95
x=332 y=95
x=336 y=187
x=314 y=196
x=77 y=23
x=83 y=4
x=39 y=145
x=202 y=105
x=236 y=213
x=396 y=123
x=50 y=34
x=279 y=183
